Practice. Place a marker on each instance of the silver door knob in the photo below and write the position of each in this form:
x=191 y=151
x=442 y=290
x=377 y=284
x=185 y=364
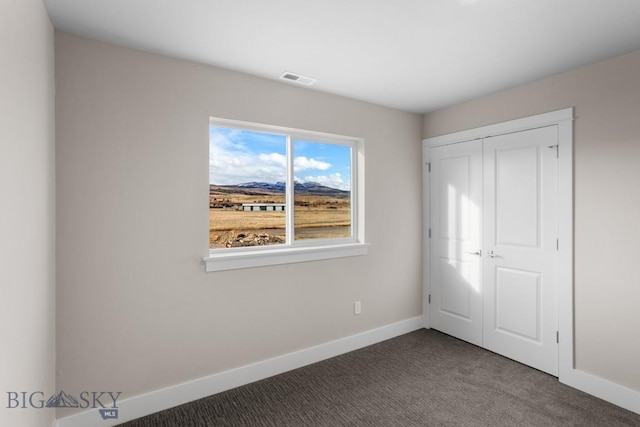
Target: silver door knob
x=490 y=254
x=477 y=253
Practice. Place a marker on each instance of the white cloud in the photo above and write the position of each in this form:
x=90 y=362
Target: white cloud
x=302 y=163
x=273 y=159
x=231 y=162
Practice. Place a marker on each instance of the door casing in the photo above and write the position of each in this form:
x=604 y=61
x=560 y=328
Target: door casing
x=564 y=120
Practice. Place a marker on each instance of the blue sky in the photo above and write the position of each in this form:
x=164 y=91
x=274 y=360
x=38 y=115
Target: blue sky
x=239 y=156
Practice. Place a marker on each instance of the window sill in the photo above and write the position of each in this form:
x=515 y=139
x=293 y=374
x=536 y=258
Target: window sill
x=233 y=260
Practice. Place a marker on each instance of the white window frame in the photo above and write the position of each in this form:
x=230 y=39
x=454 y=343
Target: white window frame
x=304 y=250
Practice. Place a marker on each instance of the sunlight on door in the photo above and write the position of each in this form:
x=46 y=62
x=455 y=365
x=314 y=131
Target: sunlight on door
x=456 y=180
x=467 y=218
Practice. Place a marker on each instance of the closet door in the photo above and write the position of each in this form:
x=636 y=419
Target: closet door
x=456 y=218
x=520 y=236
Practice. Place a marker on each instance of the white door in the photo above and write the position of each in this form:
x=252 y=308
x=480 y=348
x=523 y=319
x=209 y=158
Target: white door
x=520 y=247
x=456 y=208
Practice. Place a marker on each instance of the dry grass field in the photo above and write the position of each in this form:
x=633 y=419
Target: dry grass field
x=314 y=217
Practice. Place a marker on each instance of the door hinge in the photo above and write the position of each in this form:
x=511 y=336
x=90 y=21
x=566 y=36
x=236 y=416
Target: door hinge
x=557 y=148
x=557 y=244
x=429 y=233
x=428 y=167
x=429 y=299
x=557 y=337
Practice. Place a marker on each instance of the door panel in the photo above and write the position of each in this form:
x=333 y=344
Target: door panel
x=455 y=292
x=520 y=264
x=517 y=303
x=454 y=202
x=456 y=196
x=517 y=196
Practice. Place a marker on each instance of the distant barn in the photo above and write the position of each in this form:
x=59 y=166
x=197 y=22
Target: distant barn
x=263 y=206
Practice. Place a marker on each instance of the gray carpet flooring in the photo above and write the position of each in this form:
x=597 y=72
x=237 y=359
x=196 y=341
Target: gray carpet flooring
x=424 y=378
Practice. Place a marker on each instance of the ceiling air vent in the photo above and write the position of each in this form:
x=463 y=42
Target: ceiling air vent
x=297 y=78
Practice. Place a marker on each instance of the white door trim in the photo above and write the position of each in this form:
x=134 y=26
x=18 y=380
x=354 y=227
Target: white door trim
x=426 y=248
x=568 y=374
x=564 y=120
x=526 y=123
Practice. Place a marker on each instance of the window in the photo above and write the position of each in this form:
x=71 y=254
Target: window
x=281 y=195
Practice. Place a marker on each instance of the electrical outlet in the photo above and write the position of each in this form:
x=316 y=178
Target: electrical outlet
x=357 y=308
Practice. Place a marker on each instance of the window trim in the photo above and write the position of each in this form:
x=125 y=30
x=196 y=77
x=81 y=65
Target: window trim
x=303 y=250
x=281 y=255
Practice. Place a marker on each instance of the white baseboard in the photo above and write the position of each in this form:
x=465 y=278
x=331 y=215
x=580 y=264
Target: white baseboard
x=606 y=390
x=158 y=400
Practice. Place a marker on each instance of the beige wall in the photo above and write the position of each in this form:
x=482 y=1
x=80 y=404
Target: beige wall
x=136 y=310
x=606 y=97
x=27 y=191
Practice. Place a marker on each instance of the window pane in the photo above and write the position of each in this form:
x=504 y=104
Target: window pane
x=322 y=190
x=247 y=174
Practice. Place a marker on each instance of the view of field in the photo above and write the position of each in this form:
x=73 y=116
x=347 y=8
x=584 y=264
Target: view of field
x=316 y=215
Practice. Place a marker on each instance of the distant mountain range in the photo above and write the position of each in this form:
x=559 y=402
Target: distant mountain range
x=261 y=188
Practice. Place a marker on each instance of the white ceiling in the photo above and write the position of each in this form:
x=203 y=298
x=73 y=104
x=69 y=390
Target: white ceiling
x=414 y=55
